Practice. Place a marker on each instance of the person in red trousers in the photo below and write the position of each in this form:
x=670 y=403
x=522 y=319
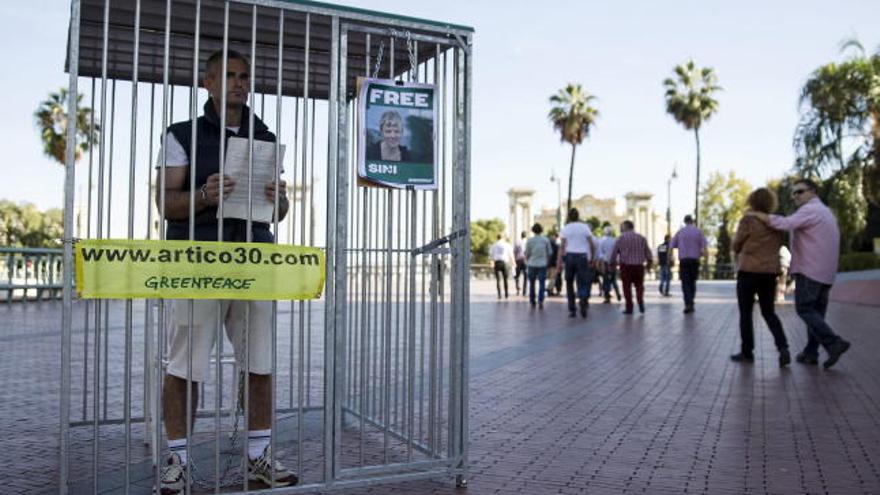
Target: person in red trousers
x=633 y=255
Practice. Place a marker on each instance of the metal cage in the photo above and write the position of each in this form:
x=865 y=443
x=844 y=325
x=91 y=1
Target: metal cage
x=370 y=381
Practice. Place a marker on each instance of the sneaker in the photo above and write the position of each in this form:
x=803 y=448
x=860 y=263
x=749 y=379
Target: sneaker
x=642 y=307
x=806 y=358
x=742 y=357
x=173 y=481
x=835 y=351
x=784 y=358
x=688 y=310
x=259 y=469
x=584 y=307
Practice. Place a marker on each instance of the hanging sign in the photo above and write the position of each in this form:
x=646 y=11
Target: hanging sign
x=397 y=137
x=131 y=269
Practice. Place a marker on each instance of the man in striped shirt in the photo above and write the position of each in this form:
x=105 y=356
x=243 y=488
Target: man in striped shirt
x=631 y=251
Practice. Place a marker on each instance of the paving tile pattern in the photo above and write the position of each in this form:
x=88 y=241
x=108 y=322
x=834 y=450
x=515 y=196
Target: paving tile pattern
x=612 y=404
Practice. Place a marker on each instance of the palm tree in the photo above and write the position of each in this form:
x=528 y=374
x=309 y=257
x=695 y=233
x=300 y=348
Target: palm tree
x=691 y=102
x=51 y=120
x=572 y=116
x=841 y=103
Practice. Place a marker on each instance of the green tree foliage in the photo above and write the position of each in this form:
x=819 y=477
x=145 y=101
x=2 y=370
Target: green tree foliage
x=723 y=199
x=723 y=255
x=845 y=198
x=782 y=187
x=595 y=224
x=23 y=225
x=51 y=120
x=839 y=125
x=690 y=100
x=483 y=234
x=572 y=116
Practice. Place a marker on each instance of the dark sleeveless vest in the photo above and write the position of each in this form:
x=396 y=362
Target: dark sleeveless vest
x=208 y=163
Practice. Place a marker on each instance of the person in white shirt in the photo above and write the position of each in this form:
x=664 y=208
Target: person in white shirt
x=577 y=256
x=501 y=254
x=782 y=281
x=604 y=264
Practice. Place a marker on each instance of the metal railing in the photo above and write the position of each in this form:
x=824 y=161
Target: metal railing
x=30 y=273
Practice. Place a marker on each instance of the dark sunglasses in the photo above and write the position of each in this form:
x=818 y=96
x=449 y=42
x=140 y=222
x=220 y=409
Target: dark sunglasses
x=798 y=192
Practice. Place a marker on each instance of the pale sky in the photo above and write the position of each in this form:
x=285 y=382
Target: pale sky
x=525 y=51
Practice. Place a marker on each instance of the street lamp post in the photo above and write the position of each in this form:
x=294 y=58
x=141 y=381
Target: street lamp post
x=669 y=201
x=554 y=178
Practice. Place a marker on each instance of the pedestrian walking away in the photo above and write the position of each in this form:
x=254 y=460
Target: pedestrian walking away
x=537 y=255
x=664 y=262
x=604 y=264
x=554 y=280
x=576 y=253
x=501 y=254
x=236 y=316
x=632 y=253
x=815 y=249
x=757 y=255
x=691 y=245
x=519 y=259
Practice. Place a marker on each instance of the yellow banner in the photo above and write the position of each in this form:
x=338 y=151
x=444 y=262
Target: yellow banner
x=124 y=269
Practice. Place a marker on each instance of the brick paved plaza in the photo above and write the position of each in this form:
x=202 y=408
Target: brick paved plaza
x=614 y=404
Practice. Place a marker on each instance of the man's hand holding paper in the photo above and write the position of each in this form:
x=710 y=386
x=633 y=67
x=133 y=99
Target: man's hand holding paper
x=263 y=176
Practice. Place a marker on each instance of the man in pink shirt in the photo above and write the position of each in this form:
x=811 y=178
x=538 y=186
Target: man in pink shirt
x=691 y=245
x=815 y=249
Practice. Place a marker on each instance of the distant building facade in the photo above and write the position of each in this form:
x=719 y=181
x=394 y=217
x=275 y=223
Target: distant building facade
x=519 y=212
x=638 y=208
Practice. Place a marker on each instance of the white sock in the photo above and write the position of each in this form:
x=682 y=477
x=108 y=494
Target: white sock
x=258 y=440
x=178 y=447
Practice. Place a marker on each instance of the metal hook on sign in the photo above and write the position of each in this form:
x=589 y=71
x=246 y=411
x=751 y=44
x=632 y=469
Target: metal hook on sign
x=378 y=63
x=413 y=59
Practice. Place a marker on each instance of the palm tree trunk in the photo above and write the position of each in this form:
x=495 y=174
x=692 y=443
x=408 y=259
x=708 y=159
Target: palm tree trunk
x=570 y=180
x=697 y=189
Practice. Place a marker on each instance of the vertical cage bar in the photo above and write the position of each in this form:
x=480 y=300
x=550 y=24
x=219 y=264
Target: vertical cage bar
x=306 y=191
x=163 y=159
x=193 y=166
x=67 y=308
x=333 y=167
x=131 y=190
x=88 y=304
x=245 y=376
x=99 y=306
x=465 y=241
x=218 y=331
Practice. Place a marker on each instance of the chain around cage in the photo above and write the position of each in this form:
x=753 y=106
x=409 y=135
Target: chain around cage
x=413 y=59
x=228 y=477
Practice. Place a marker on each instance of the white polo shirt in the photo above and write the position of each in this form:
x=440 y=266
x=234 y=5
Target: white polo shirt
x=576 y=235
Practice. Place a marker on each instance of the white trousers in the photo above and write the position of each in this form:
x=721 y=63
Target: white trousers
x=205 y=320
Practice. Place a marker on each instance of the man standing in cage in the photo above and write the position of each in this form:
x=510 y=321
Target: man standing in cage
x=260 y=465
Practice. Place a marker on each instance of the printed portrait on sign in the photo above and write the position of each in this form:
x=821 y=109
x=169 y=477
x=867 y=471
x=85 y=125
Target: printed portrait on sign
x=397 y=134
